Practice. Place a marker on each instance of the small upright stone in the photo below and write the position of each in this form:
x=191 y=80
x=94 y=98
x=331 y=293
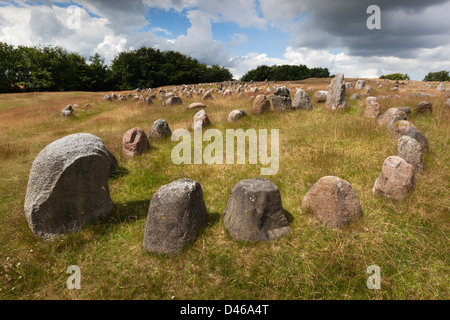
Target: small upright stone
x=176 y=214
x=236 y=115
x=282 y=99
x=302 y=101
x=360 y=84
x=440 y=87
x=207 y=96
x=410 y=150
x=396 y=180
x=254 y=211
x=401 y=127
x=373 y=108
x=333 y=201
x=201 y=120
x=419 y=136
x=66 y=112
x=336 y=99
x=261 y=104
x=134 y=142
x=160 y=129
x=172 y=101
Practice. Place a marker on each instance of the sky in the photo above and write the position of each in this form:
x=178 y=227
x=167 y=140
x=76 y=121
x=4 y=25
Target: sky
x=413 y=35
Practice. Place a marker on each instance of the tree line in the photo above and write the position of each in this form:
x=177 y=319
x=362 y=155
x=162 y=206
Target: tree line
x=46 y=68
x=285 y=73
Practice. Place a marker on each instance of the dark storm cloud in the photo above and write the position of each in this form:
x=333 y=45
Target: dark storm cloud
x=406 y=25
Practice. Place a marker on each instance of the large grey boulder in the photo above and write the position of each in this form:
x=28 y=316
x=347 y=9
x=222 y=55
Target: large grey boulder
x=176 y=214
x=440 y=87
x=68 y=185
x=254 y=211
x=336 y=99
x=419 y=136
x=333 y=201
x=160 y=129
x=281 y=99
x=302 y=100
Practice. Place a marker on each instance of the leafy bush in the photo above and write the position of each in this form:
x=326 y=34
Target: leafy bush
x=285 y=73
x=396 y=76
x=437 y=76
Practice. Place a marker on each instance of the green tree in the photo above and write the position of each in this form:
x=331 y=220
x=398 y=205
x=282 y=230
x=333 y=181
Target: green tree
x=396 y=76
x=437 y=76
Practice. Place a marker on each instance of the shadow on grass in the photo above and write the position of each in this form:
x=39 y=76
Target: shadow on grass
x=288 y=215
x=119 y=173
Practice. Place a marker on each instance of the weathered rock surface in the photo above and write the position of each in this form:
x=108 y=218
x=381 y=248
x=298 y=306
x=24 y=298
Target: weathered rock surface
x=261 y=104
x=396 y=180
x=172 y=101
x=255 y=212
x=336 y=99
x=201 y=120
x=333 y=201
x=423 y=106
x=134 y=142
x=321 y=96
x=410 y=150
x=68 y=185
x=176 y=214
x=236 y=115
x=281 y=99
x=302 y=100
x=160 y=129
x=197 y=105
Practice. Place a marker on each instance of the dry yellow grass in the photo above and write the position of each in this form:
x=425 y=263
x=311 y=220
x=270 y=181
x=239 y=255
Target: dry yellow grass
x=408 y=239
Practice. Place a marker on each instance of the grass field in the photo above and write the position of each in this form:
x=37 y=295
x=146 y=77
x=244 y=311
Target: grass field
x=407 y=239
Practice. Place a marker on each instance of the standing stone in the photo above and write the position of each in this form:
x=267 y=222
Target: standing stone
x=336 y=99
x=282 y=99
x=321 y=96
x=134 y=142
x=172 y=101
x=416 y=134
x=355 y=96
x=261 y=104
x=360 y=84
x=396 y=180
x=66 y=112
x=160 y=129
x=302 y=101
x=201 y=120
x=447 y=104
x=176 y=214
x=207 y=96
x=401 y=127
x=423 y=106
x=373 y=108
x=236 y=115
x=410 y=150
x=367 y=90
x=254 y=211
x=390 y=117
x=68 y=185
x=348 y=85
x=333 y=201
x=107 y=97
x=440 y=87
